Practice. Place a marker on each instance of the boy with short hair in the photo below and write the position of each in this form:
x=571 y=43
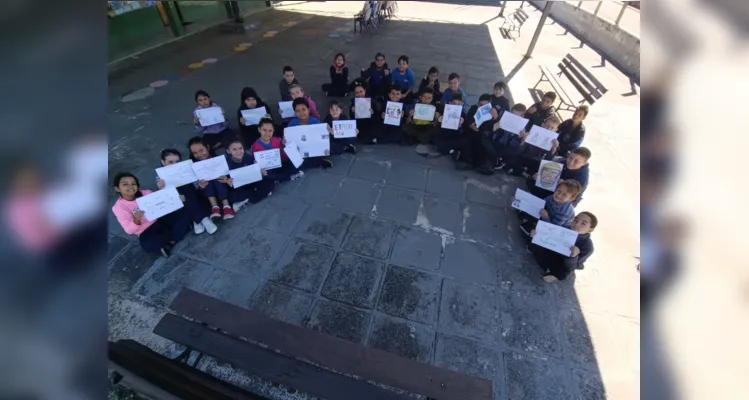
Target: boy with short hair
x=575 y=167
x=558 y=209
x=499 y=101
x=377 y=76
x=286 y=82
x=420 y=131
x=304 y=117
x=572 y=131
x=454 y=80
x=557 y=266
x=390 y=133
x=529 y=156
x=507 y=144
x=338 y=146
x=539 y=112
x=447 y=141
x=432 y=81
x=404 y=77
x=478 y=153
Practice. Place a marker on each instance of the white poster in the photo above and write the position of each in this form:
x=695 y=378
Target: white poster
x=312 y=140
x=549 y=173
x=424 y=112
x=246 y=175
x=528 y=203
x=211 y=168
x=177 y=174
x=159 y=203
x=286 y=109
x=253 y=117
x=344 y=129
x=268 y=159
x=362 y=105
x=451 y=119
x=512 y=123
x=483 y=114
x=292 y=151
x=541 y=137
x=393 y=113
x=555 y=238
x=210 y=116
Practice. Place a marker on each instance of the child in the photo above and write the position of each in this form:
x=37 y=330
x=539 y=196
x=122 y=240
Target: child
x=529 y=156
x=499 y=101
x=156 y=236
x=557 y=266
x=447 y=141
x=377 y=76
x=250 y=101
x=572 y=132
x=268 y=141
x=404 y=77
x=301 y=108
x=286 y=82
x=431 y=81
x=420 y=131
x=478 y=152
x=541 y=111
x=454 y=80
x=214 y=134
x=296 y=92
x=214 y=190
x=390 y=133
x=575 y=167
x=365 y=125
x=195 y=209
x=236 y=157
x=558 y=209
x=338 y=85
x=507 y=144
x=338 y=146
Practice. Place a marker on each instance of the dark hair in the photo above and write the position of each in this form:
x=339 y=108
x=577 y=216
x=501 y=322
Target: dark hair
x=583 y=152
x=395 y=86
x=425 y=91
x=333 y=103
x=453 y=75
x=232 y=140
x=287 y=69
x=519 y=107
x=433 y=70
x=167 y=152
x=201 y=93
x=379 y=55
x=120 y=176
x=264 y=121
x=593 y=219
x=358 y=82
x=342 y=55
x=299 y=101
x=550 y=95
x=500 y=85
x=403 y=58
x=574 y=186
x=199 y=140
x=457 y=96
x=485 y=97
x=248 y=92
x=584 y=108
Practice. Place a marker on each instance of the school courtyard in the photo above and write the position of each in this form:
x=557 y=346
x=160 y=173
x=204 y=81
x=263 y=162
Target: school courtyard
x=388 y=249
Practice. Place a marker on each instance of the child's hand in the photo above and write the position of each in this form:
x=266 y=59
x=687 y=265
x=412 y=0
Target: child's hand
x=160 y=184
x=371 y=111
x=230 y=182
x=533 y=233
x=357 y=131
x=461 y=121
x=439 y=118
x=137 y=216
x=330 y=130
x=535 y=176
x=223 y=179
x=544 y=214
x=531 y=109
x=383 y=115
x=554 y=145
x=523 y=134
x=195 y=120
x=387 y=72
x=363 y=69
x=202 y=184
x=283 y=140
x=182 y=197
x=474 y=127
x=264 y=172
x=242 y=121
x=495 y=127
x=493 y=113
x=327 y=152
x=574 y=251
x=411 y=113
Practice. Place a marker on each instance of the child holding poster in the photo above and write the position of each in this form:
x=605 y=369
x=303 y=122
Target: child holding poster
x=575 y=167
x=338 y=86
x=365 y=125
x=447 y=141
x=236 y=157
x=420 y=131
x=507 y=144
x=529 y=156
x=216 y=192
x=541 y=111
x=391 y=132
x=296 y=92
x=250 y=101
x=558 y=209
x=478 y=152
x=338 y=146
x=557 y=266
x=213 y=134
x=158 y=236
x=269 y=141
x=195 y=206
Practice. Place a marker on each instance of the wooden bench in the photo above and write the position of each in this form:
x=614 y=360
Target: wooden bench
x=590 y=88
x=293 y=356
x=515 y=21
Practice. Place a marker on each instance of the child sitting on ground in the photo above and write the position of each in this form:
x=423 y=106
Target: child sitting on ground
x=528 y=157
x=296 y=92
x=338 y=86
x=268 y=141
x=454 y=80
x=236 y=157
x=250 y=101
x=213 y=135
x=286 y=82
x=377 y=77
x=195 y=208
x=572 y=132
x=575 y=167
x=390 y=133
x=420 y=131
x=507 y=144
x=557 y=266
x=338 y=146
x=541 y=111
x=499 y=101
x=447 y=141
x=301 y=108
x=478 y=153
x=432 y=81
x=216 y=192
x=365 y=125
x=158 y=236
x=404 y=77
x=558 y=209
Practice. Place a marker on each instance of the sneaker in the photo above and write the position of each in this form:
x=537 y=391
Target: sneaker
x=374 y=141
x=298 y=175
x=165 y=252
x=215 y=212
x=422 y=149
x=550 y=278
x=499 y=166
x=228 y=212
x=209 y=225
x=326 y=164
x=238 y=206
x=351 y=149
x=198 y=227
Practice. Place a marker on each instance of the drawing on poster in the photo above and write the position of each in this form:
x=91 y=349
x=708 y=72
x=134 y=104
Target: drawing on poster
x=555 y=238
x=483 y=114
x=362 y=105
x=393 y=113
x=451 y=119
x=549 y=173
x=159 y=203
x=210 y=116
x=424 y=112
x=541 y=137
x=286 y=109
x=344 y=129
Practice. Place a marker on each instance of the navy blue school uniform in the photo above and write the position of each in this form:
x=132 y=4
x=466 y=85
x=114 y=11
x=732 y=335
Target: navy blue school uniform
x=386 y=133
x=581 y=175
x=366 y=126
x=570 y=137
x=338 y=146
x=377 y=81
x=527 y=158
x=253 y=192
x=479 y=149
x=501 y=104
x=172 y=227
x=538 y=117
x=338 y=85
x=561 y=266
x=436 y=88
x=449 y=140
x=196 y=206
x=506 y=144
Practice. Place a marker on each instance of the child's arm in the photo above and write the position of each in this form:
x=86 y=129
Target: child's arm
x=129 y=221
x=365 y=73
x=345 y=74
x=333 y=73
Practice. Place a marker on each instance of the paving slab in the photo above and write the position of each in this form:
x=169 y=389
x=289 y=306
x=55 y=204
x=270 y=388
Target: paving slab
x=441 y=213
x=589 y=384
x=417 y=248
x=371 y=238
x=165 y=282
x=128 y=268
x=209 y=248
x=470 y=311
x=318 y=189
x=354 y=280
x=231 y=287
x=530 y=378
x=339 y=320
x=356 y=195
x=303 y=266
x=410 y=294
x=406 y=175
x=488 y=225
x=471 y=262
x=398 y=205
x=530 y=327
x=404 y=338
x=254 y=252
x=324 y=225
x=447 y=185
x=469 y=357
x=369 y=170
x=282 y=303
x=115 y=245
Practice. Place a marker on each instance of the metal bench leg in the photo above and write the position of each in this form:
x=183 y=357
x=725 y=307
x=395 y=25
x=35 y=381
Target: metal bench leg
x=541 y=80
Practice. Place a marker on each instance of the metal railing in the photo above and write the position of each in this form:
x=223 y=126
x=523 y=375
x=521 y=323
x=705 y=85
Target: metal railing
x=624 y=6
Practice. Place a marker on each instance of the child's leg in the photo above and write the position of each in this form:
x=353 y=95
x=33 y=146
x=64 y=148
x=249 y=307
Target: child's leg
x=253 y=192
x=178 y=224
x=410 y=134
x=389 y=134
x=192 y=203
x=217 y=192
x=326 y=87
x=153 y=239
x=562 y=268
x=282 y=174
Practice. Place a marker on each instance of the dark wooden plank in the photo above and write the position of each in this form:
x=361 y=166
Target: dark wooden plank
x=346 y=357
x=576 y=84
x=587 y=73
x=269 y=365
x=561 y=93
x=590 y=88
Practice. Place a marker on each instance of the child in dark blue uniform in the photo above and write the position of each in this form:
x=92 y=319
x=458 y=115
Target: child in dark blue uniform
x=236 y=157
x=557 y=266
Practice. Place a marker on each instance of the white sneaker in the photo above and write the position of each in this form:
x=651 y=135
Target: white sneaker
x=208 y=225
x=374 y=141
x=198 y=227
x=238 y=206
x=298 y=175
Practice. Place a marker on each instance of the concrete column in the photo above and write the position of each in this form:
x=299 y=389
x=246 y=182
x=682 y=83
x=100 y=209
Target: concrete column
x=579 y=4
x=502 y=10
x=175 y=22
x=544 y=15
x=621 y=13
x=598 y=8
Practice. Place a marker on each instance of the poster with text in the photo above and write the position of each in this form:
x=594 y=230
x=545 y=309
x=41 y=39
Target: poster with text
x=393 y=113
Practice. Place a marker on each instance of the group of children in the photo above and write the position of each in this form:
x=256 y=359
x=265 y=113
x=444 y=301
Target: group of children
x=485 y=148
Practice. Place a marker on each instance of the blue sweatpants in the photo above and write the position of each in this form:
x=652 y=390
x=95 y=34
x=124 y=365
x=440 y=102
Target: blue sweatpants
x=171 y=227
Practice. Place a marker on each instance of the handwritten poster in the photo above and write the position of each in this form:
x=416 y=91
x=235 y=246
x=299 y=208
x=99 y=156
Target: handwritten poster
x=393 y=113
x=555 y=238
x=159 y=203
x=483 y=114
x=528 y=203
x=177 y=174
x=548 y=175
x=292 y=151
x=312 y=140
x=451 y=119
x=424 y=112
x=512 y=123
x=541 y=137
x=211 y=168
x=286 y=109
x=362 y=105
x=252 y=117
x=210 y=116
x=268 y=159
x=246 y=175
x=344 y=129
